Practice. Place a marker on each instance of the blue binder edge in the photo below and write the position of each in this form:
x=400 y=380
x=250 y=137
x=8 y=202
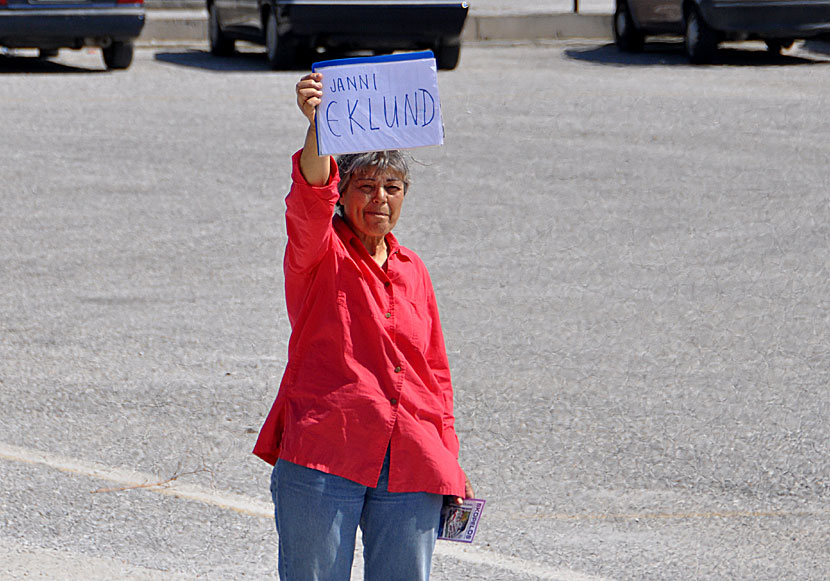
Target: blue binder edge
x=386 y=58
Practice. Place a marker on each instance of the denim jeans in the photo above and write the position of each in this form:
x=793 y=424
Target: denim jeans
x=317 y=517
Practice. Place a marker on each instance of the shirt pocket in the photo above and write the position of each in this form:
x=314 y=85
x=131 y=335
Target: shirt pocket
x=413 y=323
x=359 y=326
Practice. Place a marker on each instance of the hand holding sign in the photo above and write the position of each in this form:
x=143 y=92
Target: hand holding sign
x=316 y=169
x=378 y=103
x=310 y=94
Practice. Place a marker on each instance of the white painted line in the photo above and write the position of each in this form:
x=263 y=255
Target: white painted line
x=251 y=506
x=132 y=478
x=506 y=563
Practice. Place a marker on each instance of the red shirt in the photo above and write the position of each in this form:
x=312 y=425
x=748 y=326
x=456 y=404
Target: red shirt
x=367 y=367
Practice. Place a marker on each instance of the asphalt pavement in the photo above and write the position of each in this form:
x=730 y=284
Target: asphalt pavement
x=631 y=261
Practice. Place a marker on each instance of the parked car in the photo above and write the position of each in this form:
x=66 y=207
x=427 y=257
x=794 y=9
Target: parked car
x=292 y=30
x=705 y=23
x=50 y=25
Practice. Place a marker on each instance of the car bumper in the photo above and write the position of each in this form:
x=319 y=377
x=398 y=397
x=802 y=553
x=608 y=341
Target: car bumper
x=55 y=27
x=769 y=18
x=364 y=23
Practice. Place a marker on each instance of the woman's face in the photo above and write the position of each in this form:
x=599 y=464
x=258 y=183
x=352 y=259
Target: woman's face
x=372 y=202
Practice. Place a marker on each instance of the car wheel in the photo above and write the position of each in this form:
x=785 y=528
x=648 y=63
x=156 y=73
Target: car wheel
x=776 y=45
x=701 y=40
x=448 y=54
x=220 y=45
x=118 y=55
x=47 y=53
x=278 y=48
x=626 y=35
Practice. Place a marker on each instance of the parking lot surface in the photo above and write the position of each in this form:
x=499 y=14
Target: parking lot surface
x=631 y=261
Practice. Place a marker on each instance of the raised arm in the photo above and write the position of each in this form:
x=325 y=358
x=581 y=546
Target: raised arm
x=316 y=169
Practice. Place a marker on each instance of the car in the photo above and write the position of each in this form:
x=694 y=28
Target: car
x=293 y=31
x=706 y=23
x=50 y=25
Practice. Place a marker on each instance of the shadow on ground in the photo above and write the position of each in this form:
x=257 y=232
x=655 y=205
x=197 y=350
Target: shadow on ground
x=242 y=62
x=673 y=54
x=29 y=65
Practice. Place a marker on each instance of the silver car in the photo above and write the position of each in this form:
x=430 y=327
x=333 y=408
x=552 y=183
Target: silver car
x=705 y=23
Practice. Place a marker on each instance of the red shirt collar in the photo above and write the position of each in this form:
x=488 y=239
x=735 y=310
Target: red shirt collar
x=348 y=236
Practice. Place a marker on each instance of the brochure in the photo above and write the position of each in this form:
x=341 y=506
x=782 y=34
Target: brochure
x=459 y=522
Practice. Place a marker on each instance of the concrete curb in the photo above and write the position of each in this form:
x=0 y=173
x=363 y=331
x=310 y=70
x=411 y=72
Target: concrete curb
x=166 y=25
x=538 y=27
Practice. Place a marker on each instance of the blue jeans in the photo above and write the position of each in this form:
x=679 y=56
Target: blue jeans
x=317 y=516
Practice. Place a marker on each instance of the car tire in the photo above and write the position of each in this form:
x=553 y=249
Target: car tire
x=47 y=53
x=448 y=54
x=118 y=55
x=220 y=45
x=627 y=36
x=776 y=45
x=278 y=48
x=700 y=40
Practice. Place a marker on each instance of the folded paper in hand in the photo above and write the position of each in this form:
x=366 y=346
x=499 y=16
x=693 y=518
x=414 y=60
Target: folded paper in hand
x=459 y=522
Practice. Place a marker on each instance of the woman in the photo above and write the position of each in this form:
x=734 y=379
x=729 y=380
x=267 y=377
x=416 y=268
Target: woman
x=362 y=431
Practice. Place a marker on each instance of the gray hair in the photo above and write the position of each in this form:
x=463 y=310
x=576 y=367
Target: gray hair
x=379 y=161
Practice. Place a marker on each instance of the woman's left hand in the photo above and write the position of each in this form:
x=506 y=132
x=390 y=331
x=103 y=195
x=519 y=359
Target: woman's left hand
x=468 y=491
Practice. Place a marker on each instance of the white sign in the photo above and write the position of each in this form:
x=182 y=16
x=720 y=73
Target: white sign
x=378 y=103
